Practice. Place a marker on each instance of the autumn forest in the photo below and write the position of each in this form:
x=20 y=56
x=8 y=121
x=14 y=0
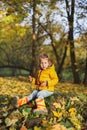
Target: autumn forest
x=27 y=29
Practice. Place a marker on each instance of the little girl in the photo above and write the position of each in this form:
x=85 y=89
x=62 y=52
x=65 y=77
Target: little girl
x=45 y=80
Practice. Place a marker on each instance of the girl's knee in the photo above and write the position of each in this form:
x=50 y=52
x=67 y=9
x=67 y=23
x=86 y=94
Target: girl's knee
x=40 y=94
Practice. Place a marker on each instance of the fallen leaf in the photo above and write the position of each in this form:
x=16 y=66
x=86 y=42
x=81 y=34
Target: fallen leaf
x=23 y=128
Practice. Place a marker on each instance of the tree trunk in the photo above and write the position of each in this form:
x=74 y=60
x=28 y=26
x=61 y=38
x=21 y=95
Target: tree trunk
x=85 y=77
x=70 y=14
x=54 y=49
x=62 y=62
x=33 y=64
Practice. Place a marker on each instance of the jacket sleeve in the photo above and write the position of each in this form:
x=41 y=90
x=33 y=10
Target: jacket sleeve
x=33 y=80
x=53 y=78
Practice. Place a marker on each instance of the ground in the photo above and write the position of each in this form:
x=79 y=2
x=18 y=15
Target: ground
x=67 y=108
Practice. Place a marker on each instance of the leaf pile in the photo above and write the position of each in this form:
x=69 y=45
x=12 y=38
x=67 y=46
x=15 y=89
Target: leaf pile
x=67 y=108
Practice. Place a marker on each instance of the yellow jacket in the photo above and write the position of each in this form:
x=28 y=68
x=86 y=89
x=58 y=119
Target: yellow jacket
x=48 y=75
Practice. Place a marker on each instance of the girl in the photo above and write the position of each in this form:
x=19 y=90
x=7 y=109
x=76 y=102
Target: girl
x=45 y=80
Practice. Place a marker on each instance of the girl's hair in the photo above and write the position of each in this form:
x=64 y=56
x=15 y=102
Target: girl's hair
x=45 y=56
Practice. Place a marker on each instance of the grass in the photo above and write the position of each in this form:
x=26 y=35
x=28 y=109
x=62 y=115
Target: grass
x=13 y=72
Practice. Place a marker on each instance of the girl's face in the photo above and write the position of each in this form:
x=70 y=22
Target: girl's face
x=44 y=64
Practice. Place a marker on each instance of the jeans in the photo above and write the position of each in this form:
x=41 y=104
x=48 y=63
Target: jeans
x=39 y=94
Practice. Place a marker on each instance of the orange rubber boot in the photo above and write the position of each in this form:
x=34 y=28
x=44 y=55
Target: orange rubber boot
x=41 y=107
x=19 y=102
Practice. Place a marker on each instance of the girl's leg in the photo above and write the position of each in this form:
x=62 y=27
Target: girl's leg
x=44 y=93
x=32 y=95
x=41 y=107
x=17 y=102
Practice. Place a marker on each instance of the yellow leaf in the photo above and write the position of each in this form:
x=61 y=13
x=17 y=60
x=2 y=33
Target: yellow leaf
x=37 y=128
x=57 y=105
x=57 y=114
x=59 y=127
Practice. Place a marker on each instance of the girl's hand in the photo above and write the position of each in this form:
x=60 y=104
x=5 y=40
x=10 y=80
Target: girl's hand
x=44 y=83
x=30 y=78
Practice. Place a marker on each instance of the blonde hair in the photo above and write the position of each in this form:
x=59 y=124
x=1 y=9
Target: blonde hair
x=45 y=56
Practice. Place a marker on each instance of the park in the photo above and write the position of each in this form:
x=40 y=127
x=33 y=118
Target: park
x=29 y=28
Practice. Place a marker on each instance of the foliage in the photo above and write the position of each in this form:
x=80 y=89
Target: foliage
x=66 y=108
x=16 y=31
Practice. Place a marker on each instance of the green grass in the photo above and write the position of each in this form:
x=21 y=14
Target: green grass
x=13 y=72
x=67 y=75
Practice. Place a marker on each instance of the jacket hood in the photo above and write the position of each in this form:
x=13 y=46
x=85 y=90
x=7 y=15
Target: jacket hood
x=52 y=67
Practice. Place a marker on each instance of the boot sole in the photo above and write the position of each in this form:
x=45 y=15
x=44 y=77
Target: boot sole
x=14 y=101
